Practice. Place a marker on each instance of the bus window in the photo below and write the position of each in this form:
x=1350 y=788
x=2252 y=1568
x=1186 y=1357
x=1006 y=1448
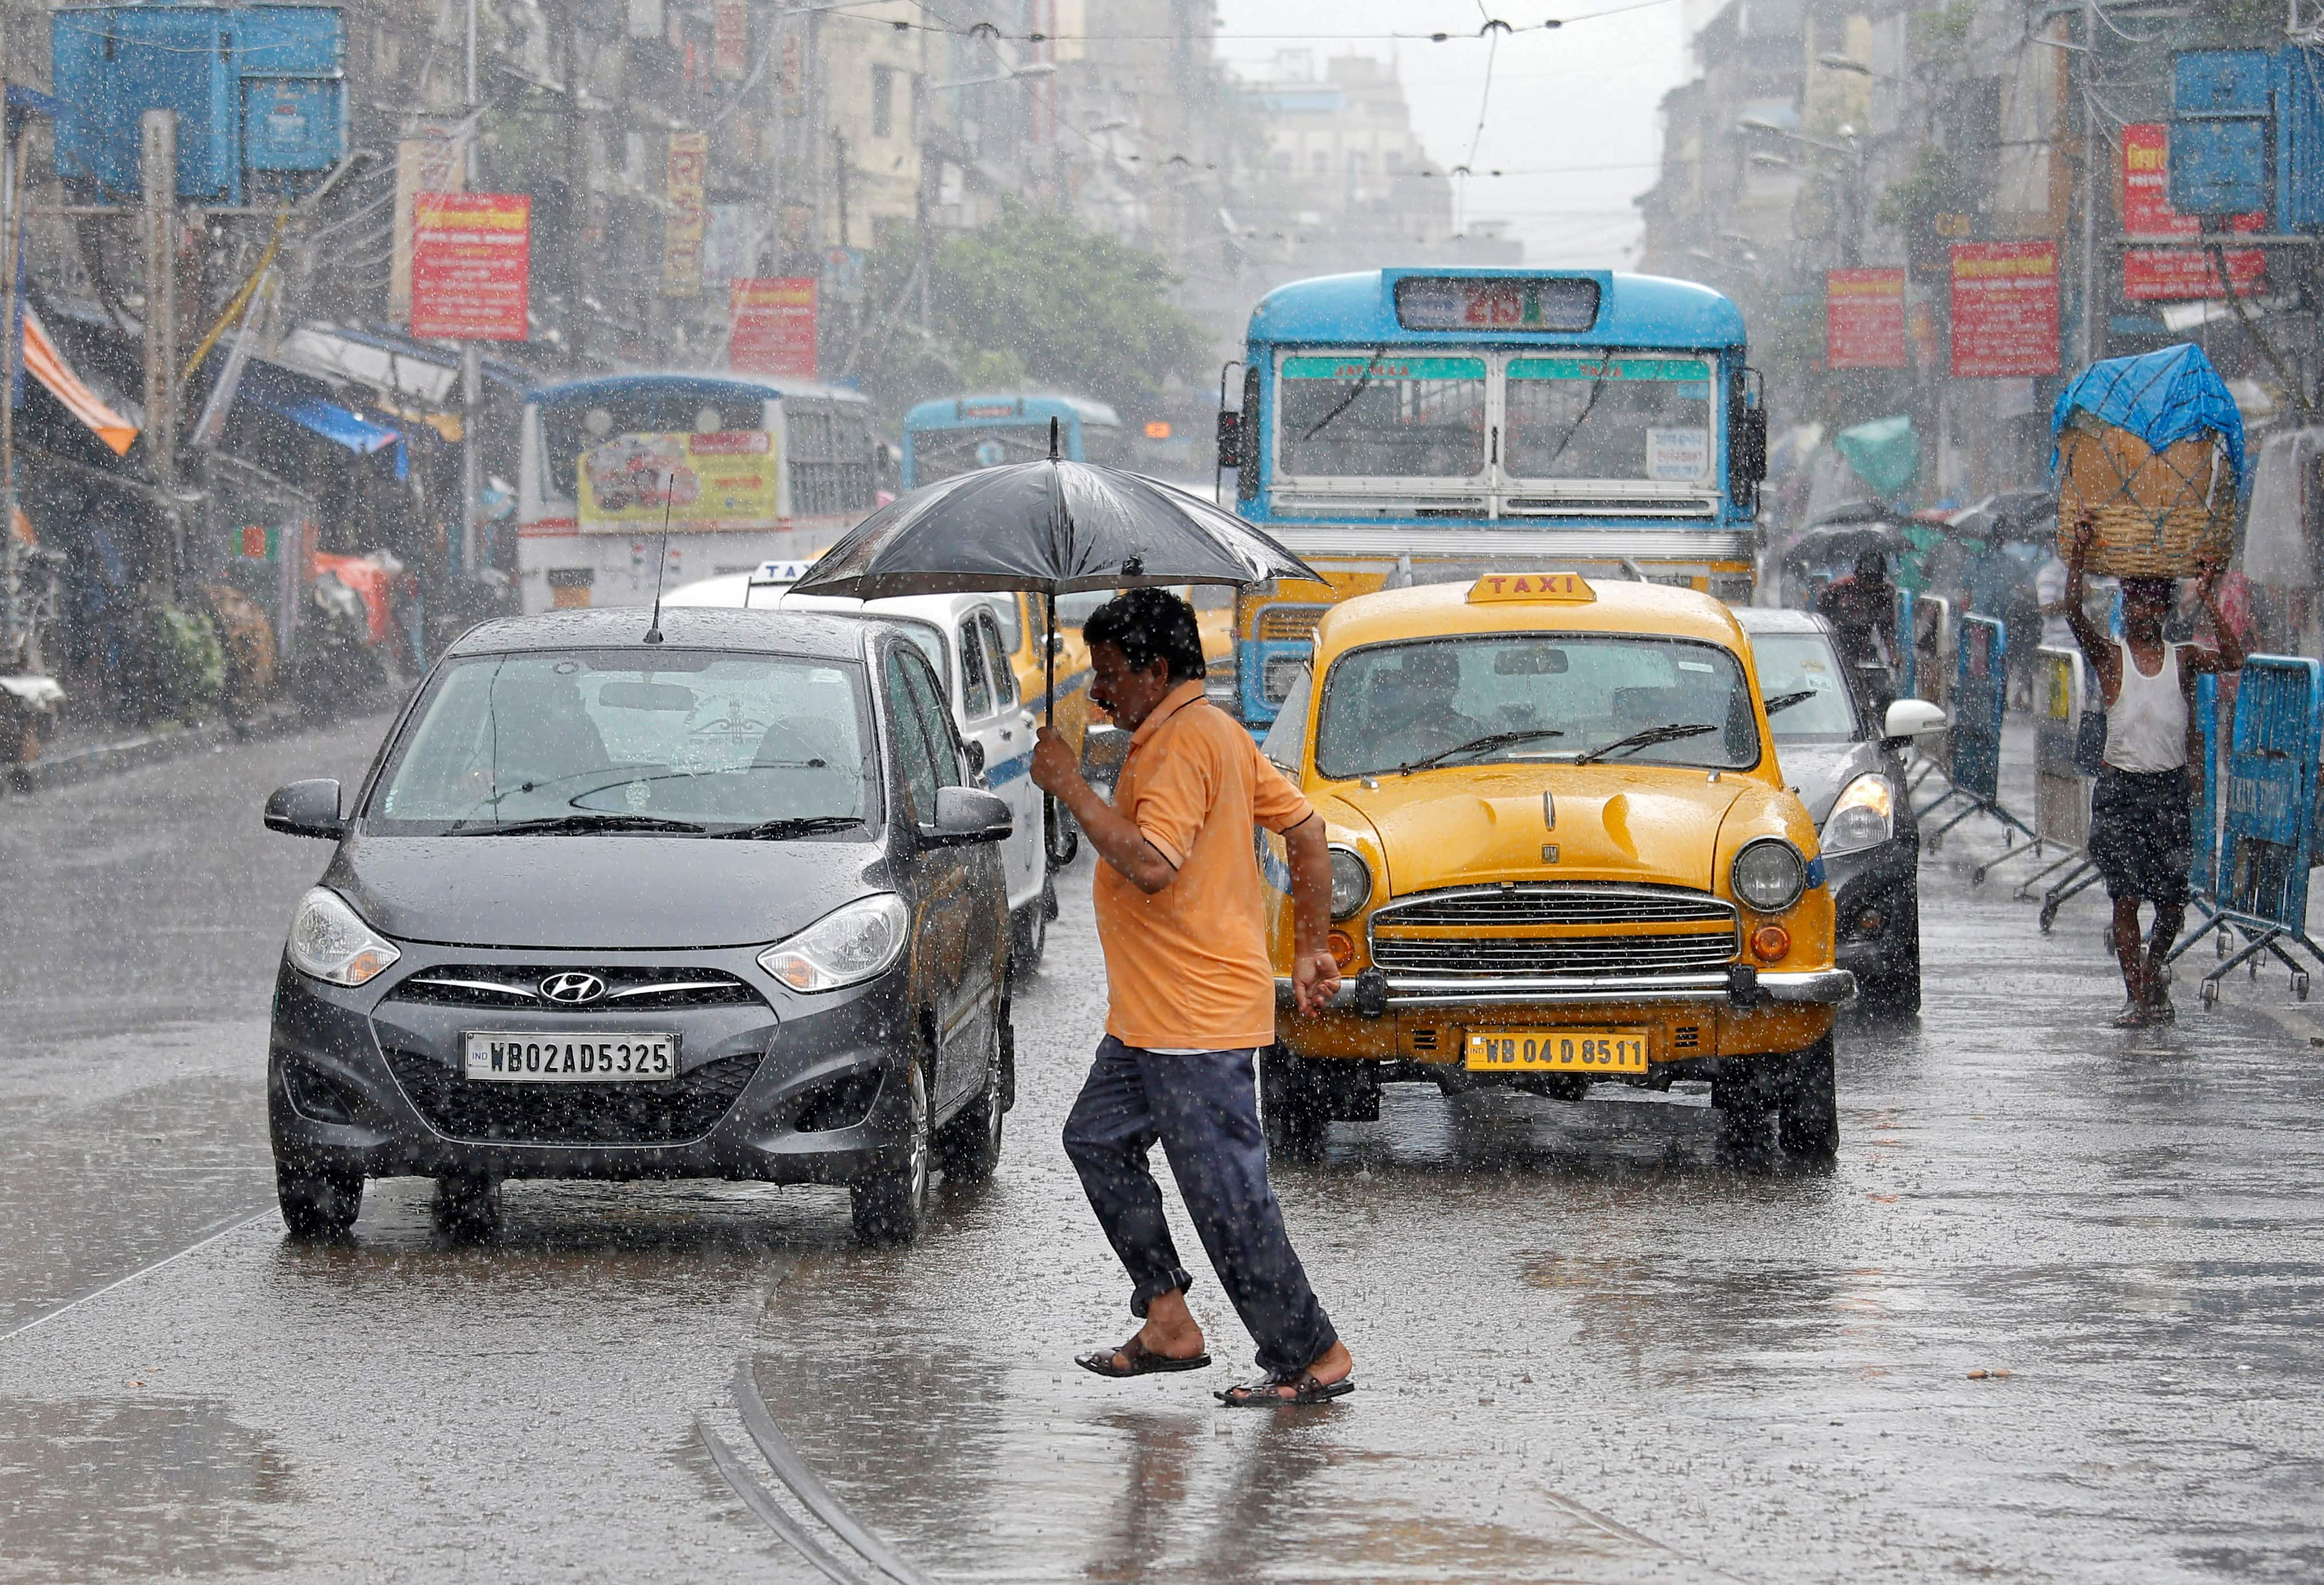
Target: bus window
x=830 y=459
x=1610 y=418
x=1075 y=609
x=1351 y=416
x=939 y=454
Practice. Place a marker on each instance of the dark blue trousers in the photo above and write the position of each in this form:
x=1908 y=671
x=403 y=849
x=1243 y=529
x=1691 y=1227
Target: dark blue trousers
x=1204 y=1111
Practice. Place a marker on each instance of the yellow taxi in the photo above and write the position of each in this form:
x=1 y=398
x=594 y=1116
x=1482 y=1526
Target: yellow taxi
x=1561 y=853
x=1024 y=622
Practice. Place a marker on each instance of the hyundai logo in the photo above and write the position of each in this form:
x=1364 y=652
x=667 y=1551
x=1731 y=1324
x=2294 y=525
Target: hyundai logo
x=573 y=988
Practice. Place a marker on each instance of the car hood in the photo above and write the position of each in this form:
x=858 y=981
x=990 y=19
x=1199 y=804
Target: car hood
x=1818 y=771
x=608 y=892
x=1475 y=823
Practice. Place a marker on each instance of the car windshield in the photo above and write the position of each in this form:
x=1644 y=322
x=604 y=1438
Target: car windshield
x=1537 y=696
x=1791 y=664
x=687 y=743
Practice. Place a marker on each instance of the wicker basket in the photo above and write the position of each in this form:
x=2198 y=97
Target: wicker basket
x=2159 y=513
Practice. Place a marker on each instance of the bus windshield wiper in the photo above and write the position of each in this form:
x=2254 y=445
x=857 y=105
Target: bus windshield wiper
x=793 y=826
x=1786 y=701
x=1490 y=740
x=1647 y=738
x=1349 y=401
x=556 y=824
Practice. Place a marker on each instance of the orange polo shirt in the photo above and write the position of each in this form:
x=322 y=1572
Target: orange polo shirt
x=1188 y=967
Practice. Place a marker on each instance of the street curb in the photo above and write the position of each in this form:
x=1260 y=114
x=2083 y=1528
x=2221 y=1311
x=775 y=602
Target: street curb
x=153 y=748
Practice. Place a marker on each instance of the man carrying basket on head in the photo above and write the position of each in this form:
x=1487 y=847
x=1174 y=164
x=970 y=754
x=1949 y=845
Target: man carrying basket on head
x=2141 y=835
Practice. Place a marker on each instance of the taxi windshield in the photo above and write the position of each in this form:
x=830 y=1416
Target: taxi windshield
x=1802 y=668
x=684 y=743
x=1600 y=699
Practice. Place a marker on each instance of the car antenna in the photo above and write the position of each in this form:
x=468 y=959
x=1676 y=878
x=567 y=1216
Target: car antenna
x=661 y=557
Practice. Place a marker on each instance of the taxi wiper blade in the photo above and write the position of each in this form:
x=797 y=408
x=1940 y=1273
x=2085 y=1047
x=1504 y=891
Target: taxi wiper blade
x=553 y=825
x=1647 y=738
x=794 y=826
x=1490 y=740
x=1786 y=701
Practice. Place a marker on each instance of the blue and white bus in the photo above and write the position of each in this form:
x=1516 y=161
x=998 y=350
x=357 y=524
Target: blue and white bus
x=1431 y=425
x=959 y=434
x=787 y=466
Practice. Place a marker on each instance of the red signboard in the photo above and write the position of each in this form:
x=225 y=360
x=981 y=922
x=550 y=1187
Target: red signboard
x=2146 y=208
x=471 y=265
x=2190 y=274
x=2005 y=310
x=774 y=327
x=1864 y=318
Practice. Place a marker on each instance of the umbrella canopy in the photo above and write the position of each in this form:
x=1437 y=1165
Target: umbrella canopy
x=1052 y=527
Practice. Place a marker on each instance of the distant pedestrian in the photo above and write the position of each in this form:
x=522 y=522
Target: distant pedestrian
x=1862 y=611
x=1191 y=997
x=2142 y=835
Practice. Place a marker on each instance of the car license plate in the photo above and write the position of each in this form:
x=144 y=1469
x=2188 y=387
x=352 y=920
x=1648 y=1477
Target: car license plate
x=570 y=1059
x=1560 y=1051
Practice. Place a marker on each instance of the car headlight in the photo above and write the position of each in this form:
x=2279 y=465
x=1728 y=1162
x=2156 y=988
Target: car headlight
x=1863 y=815
x=842 y=947
x=1351 y=882
x=1769 y=874
x=330 y=942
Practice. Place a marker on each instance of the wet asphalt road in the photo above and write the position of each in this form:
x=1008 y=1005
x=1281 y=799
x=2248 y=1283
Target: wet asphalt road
x=1592 y=1345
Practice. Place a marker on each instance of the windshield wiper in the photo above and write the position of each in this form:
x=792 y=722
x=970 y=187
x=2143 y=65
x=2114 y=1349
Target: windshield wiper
x=554 y=825
x=1786 y=701
x=794 y=826
x=1647 y=738
x=1490 y=740
x=1349 y=401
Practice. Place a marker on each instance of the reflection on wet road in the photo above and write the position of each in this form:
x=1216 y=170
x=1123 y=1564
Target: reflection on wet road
x=1592 y=1344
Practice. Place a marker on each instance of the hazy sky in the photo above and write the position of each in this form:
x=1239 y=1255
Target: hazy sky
x=1573 y=108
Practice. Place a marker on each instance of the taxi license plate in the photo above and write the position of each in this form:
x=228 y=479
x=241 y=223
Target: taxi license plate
x=1558 y=1051
x=570 y=1059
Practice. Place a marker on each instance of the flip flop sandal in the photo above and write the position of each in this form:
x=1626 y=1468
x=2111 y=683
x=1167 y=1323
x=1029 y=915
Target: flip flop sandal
x=1263 y=1393
x=1143 y=1361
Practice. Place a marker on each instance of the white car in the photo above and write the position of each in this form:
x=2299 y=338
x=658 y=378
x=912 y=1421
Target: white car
x=961 y=634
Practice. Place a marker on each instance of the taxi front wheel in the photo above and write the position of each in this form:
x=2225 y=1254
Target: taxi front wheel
x=1293 y=1113
x=1807 y=1107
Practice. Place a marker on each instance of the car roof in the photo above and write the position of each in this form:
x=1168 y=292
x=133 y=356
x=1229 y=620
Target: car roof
x=730 y=589
x=1620 y=607
x=1779 y=619
x=683 y=627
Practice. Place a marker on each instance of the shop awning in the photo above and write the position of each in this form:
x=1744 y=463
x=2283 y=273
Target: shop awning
x=45 y=364
x=277 y=393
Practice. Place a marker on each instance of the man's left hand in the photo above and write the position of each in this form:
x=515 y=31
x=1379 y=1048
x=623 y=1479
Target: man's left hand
x=1315 y=981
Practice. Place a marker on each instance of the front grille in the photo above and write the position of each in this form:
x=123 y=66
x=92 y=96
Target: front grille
x=1554 y=954
x=1559 y=903
x=645 y=1112
x=628 y=989
x=1283 y=623
x=1661 y=930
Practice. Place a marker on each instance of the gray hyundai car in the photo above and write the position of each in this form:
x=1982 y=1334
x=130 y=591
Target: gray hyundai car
x=723 y=900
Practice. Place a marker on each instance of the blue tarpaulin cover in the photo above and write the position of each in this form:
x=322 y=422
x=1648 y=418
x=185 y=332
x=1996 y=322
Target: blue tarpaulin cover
x=2162 y=397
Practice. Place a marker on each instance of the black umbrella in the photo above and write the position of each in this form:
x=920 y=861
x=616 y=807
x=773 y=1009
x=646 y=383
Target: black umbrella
x=1052 y=528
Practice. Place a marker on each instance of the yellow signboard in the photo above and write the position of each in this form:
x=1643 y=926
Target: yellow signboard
x=719 y=481
x=1567 y=587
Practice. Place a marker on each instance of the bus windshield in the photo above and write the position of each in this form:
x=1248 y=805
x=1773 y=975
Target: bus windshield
x=1591 y=417
x=1382 y=417
x=939 y=454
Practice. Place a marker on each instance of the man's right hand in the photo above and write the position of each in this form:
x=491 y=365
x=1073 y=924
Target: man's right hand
x=1315 y=981
x=2086 y=533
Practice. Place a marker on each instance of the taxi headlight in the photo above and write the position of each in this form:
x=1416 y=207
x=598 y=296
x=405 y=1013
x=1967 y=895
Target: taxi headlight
x=1769 y=874
x=1864 y=816
x=845 y=946
x=329 y=941
x=1351 y=882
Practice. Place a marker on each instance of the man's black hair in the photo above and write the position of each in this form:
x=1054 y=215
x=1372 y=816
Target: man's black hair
x=1148 y=625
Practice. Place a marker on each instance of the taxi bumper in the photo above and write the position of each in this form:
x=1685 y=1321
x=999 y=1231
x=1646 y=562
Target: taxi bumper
x=1373 y=994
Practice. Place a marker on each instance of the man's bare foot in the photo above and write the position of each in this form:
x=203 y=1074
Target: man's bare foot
x=1170 y=1332
x=1325 y=1379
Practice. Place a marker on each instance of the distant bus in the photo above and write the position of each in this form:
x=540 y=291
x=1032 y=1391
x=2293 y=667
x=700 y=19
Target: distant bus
x=959 y=434
x=768 y=470
x=1433 y=424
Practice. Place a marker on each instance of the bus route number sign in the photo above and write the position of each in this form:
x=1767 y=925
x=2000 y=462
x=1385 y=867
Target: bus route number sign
x=1490 y=302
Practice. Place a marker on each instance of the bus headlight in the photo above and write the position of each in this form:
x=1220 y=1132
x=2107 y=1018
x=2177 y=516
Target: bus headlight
x=1863 y=816
x=1769 y=874
x=1351 y=882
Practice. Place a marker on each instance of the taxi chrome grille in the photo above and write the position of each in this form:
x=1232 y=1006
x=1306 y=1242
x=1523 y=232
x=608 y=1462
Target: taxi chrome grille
x=665 y=1111
x=1555 y=929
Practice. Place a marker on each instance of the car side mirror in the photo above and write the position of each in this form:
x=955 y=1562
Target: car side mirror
x=1908 y=719
x=1056 y=643
x=975 y=757
x=305 y=808
x=966 y=815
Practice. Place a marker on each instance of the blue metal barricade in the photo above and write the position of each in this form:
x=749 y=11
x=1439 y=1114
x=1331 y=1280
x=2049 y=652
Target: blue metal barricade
x=1907 y=657
x=1925 y=635
x=2258 y=876
x=2061 y=793
x=1979 y=704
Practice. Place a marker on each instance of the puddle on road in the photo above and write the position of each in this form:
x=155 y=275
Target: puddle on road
x=136 y=1487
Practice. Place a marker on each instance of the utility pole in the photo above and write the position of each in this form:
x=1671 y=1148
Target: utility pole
x=11 y=570
x=158 y=176
x=577 y=192
x=2092 y=344
x=472 y=366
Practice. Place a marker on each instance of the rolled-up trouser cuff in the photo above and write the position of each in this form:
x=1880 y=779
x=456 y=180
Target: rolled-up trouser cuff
x=1153 y=1287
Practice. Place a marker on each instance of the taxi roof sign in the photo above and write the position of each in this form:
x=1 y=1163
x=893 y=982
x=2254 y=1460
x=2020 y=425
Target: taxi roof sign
x=1568 y=588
